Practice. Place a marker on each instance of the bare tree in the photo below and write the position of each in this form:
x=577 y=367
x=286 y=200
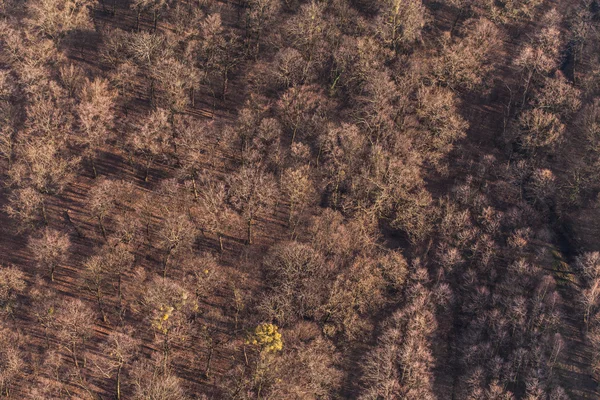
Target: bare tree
x=540 y=129
x=123 y=78
x=156 y=7
x=300 y=108
x=297 y=186
x=589 y=265
x=167 y=307
x=309 y=33
x=121 y=349
x=176 y=234
x=74 y=325
x=72 y=78
x=541 y=55
x=56 y=18
x=153 y=138
x=147 y=48
x=360 y=290
x=43 y=164
x=559 y=96
x=251 y=192
x=400 y=364
x=50 y=249
x=309 y=358
x=298 y=275
x=259 y=15
x=288 y=68
x=12 y=359
x=118 y=259
x=202 y=274
x=44 y=305
x=512 y=10
x=152 y=382
x=27 y=206
x=437 y=111
x=102 y=201
x=214 y=213
x=9 y=114
x=466 y=62
x=175 y=82
x=192 y=152
x=12 y=284
x=96 y=275
x=220 y=50
x=400 y=22
x=96 y=115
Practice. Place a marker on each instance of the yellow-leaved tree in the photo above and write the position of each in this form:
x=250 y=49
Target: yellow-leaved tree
x=267 y=337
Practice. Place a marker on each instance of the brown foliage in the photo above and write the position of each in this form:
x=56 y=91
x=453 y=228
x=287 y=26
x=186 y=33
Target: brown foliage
x=361 y=290
x=251 y=193
x=466 y=63
x=540 y=129
x=12 y=359
x=312 y=360
x=56 y=18
x=12 y=284
x=297 y=274
x=96 y=115
x=337 y=128
x=151 y=382
x=401 y=22
x=43 y=164
x=50 y=249
x=153 y=139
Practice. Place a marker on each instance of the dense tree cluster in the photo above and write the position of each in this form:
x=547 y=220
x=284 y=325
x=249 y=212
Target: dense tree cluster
x=299 y=199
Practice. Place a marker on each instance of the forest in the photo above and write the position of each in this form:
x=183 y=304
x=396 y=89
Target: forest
x=300 y=199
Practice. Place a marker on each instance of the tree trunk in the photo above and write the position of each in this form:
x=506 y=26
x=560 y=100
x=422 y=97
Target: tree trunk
x=148 y=232
x=118 y=394
x=194 y=187
x=526 y=88
x=47 y=337
x=119 y=288
x=44 y=212
x=100 y=304
x=220 y=241
x=291 y=213
x=166 y=352
x=152 y=94
x=225 y=83
x=455 y=22
x=208 y=362
x=249 y=232
x=257 y=50
x=147 y=174
x=102 y=229
x=294 y=133
x=74 y=354
x=166 y=262
x=52 y=269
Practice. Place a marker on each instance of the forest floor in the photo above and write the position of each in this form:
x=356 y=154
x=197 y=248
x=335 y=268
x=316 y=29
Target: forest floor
x=486 y=119
x=488 y=116
x=69 y=210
